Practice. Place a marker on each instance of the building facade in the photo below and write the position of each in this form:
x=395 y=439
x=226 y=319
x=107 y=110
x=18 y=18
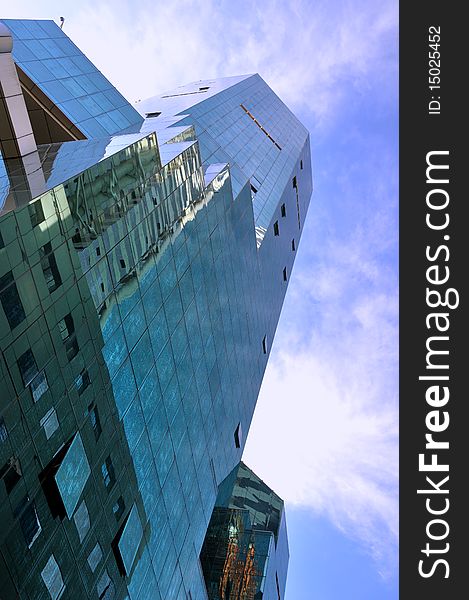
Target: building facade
x=245 y=551
x=144 y=258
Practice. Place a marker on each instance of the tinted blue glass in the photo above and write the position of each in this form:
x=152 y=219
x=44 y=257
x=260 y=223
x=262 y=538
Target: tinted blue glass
x=72 y=475
x=178 y=302
x=130 y=539
x=35 y=41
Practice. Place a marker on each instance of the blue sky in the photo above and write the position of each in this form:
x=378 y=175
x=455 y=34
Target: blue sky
x=328 y=409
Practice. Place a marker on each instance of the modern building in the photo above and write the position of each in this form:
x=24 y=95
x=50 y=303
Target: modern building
x=245 y=551
x=144 y=258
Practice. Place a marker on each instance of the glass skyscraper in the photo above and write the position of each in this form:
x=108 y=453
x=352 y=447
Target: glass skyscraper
x=144 y=258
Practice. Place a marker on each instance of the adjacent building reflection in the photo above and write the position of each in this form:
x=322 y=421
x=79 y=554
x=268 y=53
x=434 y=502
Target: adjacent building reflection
x=245 y=551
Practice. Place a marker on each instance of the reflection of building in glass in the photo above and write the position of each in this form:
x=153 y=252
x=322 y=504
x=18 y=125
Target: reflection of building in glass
x=245 y=552
x=143 y=265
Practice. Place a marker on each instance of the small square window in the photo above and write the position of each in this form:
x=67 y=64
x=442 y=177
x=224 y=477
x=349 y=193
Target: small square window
x=264 y=345
x=69 y=338
x=50 y=423
x=49 y=268
x=94 y=557
x=283 y=210
x=82 y=381
x=52 y=578
x=94 y=420
x=36 y=213
x=27 y=366
x=118 y=508
x=293 y=247
x=11 y=473
x=285 y=274
x=82 y=520
x=10 y=300
x=276 y=229
x=39 y=386
x=105 y=587
x=122 y=263
x=29 y=522
x=109 y=476
x=32 y=378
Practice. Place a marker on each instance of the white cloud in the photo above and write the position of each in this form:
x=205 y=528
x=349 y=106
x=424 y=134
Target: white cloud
x=325 y=430
x=302 y=51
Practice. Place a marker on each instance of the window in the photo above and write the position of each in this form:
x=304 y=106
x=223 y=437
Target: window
x=50 y=423
x=28 y=519
x=10 y=300
x=98 y=251
x=52 y=578
x=283 y=210
x=276 y=229
x=264 y=345
x=3 y=431
x=94 y=420
x=32 y=378
x=39 y=386
x=49 y=267
x=253 y=189
x=69 y=338
x=11 y=473
x=105 y=587
x=118 y=508
x=238 y=434
x=301 y=164
x=82 y=381
x=204 y=88
x=82 y=520
x=293 y=247
x=95 y=557
x=27 y=366
x=2 y=243
x=109 y=476
x=295 y=185
x=152 y=115
x=285 y=274
x=36 y=213
x=122 y=263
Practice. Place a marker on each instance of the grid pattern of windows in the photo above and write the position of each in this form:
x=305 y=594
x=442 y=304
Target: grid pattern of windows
x=46 y=55
x=158 y=361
